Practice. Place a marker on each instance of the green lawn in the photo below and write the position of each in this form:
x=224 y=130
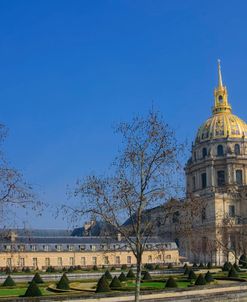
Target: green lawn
x=19 y=291
x=12 y=291
x=159 y=285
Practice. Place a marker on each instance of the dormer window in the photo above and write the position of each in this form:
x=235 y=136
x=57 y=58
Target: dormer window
x=204 y=152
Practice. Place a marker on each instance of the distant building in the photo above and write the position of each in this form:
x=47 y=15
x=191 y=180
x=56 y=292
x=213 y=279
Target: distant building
x=44 y=248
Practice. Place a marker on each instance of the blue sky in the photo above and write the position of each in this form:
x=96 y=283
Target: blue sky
x=70 y=70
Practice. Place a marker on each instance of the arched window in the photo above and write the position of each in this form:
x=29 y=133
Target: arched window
x=237 y=149
x=221 y=178
x=220 y=98
x=220 y=150
x=204 y=152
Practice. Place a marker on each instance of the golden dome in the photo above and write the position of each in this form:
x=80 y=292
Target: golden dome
x=223 y=124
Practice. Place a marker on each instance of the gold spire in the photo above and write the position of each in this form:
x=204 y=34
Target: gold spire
x=221 y=104
x=220 y=85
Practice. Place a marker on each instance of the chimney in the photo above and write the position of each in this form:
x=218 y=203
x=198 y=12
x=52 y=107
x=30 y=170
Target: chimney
x=119 y=237
x=13 y=236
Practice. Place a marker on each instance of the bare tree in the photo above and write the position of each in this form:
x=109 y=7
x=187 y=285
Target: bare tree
x=14 y=191
x=143 y=177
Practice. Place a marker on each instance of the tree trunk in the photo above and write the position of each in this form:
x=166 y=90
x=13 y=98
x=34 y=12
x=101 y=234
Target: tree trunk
x=138 y=278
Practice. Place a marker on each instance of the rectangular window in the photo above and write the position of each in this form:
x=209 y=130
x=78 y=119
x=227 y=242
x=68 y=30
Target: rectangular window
x=9 y=262
x=231 y=211
x=71 y=261
x=82 y=247
x=221 y=178
x=47 y=262
x=149 y=259
x=204 y=180
x=194 y=182
x=117 y=260
x=239 y=177
x=94 y=260
x=59 y=261
x=128 y=259
x=22 y=262
x=159 y=259
x=106 y=260
x=232 y=242
x=204 y=214
x=168 y=256
x=45 y=248
x=35 y=262
x=83 y=261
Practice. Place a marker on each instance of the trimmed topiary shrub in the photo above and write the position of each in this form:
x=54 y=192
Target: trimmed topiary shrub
x=209 y=265
x=232 y=273
x=201 y=265
x=37 y=279
x=63 y=282
x=9 y=281
x=194 y=265
x=200 y=280
x=146 y=276
x=95 y=268
x=130 y=274
x=122 y=277
x=192 y=275
x=115 y=283
x=27 y=270
x=226 y=267
x=124 y=267
x=15 y=270
x=102 y=285
x=7 y=270
x=187 y=271
x=108 y=275
x=243 y=260
x=157 y=267
x=170 y=265
x=33 y=290
x=149 y=266
x=171 y=282
x=113 y=269
x=50 y=269
x=185 y=266
x=208 y=277
x=236 y=267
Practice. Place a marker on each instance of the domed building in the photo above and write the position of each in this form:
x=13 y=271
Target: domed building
x=216 y=178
